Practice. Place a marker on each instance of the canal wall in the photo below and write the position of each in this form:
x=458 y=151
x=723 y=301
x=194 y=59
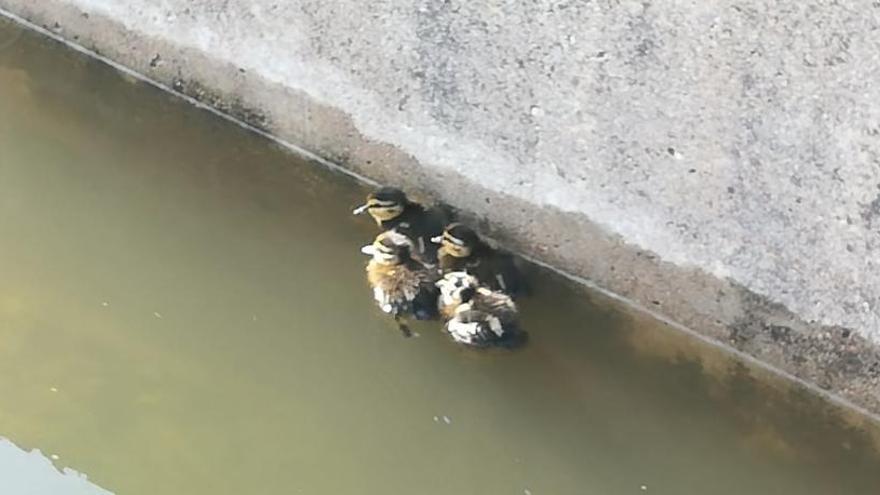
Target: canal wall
x=715 y=163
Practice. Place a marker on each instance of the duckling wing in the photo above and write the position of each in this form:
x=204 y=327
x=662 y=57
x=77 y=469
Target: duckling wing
x=490 y=317
x=494 y=303
x=475 y=327
x=424 y=305
x=400 y=289
x=393 y=287
x=423 y=224
x=500 y=272
x=467 y=332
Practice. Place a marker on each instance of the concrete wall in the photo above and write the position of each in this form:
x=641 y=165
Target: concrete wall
x=715 y=161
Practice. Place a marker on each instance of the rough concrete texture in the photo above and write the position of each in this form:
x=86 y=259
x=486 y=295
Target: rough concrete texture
x=715 y=161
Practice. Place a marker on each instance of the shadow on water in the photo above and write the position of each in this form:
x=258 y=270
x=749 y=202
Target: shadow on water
x=183 y=310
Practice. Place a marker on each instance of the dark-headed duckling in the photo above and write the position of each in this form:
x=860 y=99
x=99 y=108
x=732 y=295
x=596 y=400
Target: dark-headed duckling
x=461 y=249
x=475 y=315
x=401 y=286
x=392 y=210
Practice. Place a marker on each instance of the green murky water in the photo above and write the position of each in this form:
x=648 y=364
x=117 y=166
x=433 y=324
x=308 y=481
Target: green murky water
x=183 y=311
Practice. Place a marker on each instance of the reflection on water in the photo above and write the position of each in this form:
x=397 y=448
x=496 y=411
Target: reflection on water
x=183 y=310
x=33 y=473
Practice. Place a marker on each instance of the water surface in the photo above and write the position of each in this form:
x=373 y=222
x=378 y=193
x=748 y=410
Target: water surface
x=183 y=311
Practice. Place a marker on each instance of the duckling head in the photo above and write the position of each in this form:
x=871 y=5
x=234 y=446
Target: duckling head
x=458 y=240
x=389 y=248
x=457 y=287
x=384 y=204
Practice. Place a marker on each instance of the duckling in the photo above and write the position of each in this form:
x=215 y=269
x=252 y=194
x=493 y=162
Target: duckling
x=475 y=315
x=461 y=249
x=401 y=285
x=392 y=210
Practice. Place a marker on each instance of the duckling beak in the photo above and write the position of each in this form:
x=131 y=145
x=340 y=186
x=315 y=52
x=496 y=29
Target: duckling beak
x=437 y=240
x=369 y=250
x=360 y=209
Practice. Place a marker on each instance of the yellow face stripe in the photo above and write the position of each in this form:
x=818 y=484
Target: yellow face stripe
x=383 y=254
x=452 y=240
x=385 y=213
x=456 y=250
x=378 y=203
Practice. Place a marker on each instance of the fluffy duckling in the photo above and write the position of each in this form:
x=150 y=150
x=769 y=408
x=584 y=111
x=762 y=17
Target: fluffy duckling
x=461 y=249
x=392 y=210
x=401 y=285
x=477 y=316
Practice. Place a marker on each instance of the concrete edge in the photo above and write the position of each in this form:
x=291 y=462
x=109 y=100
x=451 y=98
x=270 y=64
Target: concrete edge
x=832 y=362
